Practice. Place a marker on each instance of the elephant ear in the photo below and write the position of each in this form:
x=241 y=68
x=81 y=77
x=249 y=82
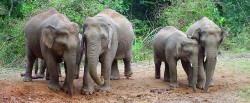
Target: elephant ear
x=110 y=34
x=195 y=35
x=178 y=47
x=48 y=35
x=224 y=33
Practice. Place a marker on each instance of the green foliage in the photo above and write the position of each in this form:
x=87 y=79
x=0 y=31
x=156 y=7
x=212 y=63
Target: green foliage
x=236 y=13
x=12 y=41
x=140 y=53
x=182 y=14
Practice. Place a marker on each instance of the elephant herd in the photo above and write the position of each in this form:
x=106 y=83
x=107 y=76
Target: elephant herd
x=108 y=37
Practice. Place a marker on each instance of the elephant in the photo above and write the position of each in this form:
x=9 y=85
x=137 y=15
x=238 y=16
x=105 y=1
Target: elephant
x=209 y=38
x=108 y=38
x=170 y=45
x=51 y=36
x=80 y=52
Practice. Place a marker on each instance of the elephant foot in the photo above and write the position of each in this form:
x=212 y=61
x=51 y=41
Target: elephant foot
x=22 y=74
x=212 y=84
x=128 y=74
x=200 y=85
x=54 y=87
x=115 y=77
x=27 y=79
x=157 y=76
x=40 y=75
x=175 y=85
x=37 y=76
x=66 y=89
x=194 y=88
x=87 y=90
x=105 y=89
x=167 y=79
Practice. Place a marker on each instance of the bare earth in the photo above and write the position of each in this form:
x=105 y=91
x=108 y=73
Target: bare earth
x=142 y=87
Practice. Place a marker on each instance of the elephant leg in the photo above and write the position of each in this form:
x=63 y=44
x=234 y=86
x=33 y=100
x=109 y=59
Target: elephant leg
x=54 y=78
x=87 y=87
x=65 y=84
x=173 y=72
x=201 y=72
x=188 y=70
x=114 y=72
x=47 y=76
x=31 y=59
x=166 y=73
x=79 y=56
x=36 y=69
x=157 y=68
x=42 y=69
x=127 y=65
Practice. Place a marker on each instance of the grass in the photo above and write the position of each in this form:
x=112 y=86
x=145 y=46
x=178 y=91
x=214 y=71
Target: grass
x=245 y=93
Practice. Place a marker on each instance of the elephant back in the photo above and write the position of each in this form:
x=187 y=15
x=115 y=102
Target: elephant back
x=37 y=20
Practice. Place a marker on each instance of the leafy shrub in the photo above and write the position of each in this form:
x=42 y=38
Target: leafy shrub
x=140 y=53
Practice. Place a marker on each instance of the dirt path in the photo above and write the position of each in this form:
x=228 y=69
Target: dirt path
x=142 y=87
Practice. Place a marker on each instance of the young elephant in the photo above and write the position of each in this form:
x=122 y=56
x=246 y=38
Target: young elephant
x=108 y=37
x=170 y=45
x=52 y=37
x=210 y=37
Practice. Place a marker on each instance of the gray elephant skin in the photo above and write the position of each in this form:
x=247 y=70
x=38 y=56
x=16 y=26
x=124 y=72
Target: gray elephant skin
x=52 y=37
x=170 y=45
x=209 y=38
x=108 y=38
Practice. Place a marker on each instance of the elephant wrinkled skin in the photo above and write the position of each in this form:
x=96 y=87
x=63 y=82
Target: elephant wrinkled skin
x=170 y=45
x=52 y=37
x=108 y=38
x=209 y=38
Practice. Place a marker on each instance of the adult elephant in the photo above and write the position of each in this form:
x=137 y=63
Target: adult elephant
x=108 y=37
x=52 y=37
x=170 y=45
x=210 y=37
x=80 y=52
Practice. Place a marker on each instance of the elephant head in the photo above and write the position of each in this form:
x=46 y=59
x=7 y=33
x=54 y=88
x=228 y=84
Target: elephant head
x=62 y=35
x=98 y=33
x=187 y=49
x=209 y=37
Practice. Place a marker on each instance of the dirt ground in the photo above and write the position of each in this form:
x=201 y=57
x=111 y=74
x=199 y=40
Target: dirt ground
x=142 y=87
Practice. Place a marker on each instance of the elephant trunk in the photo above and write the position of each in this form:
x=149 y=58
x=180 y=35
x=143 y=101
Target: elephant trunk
x=195 y=66
x=70 y=61
x=92 y=57
x=210 y=67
